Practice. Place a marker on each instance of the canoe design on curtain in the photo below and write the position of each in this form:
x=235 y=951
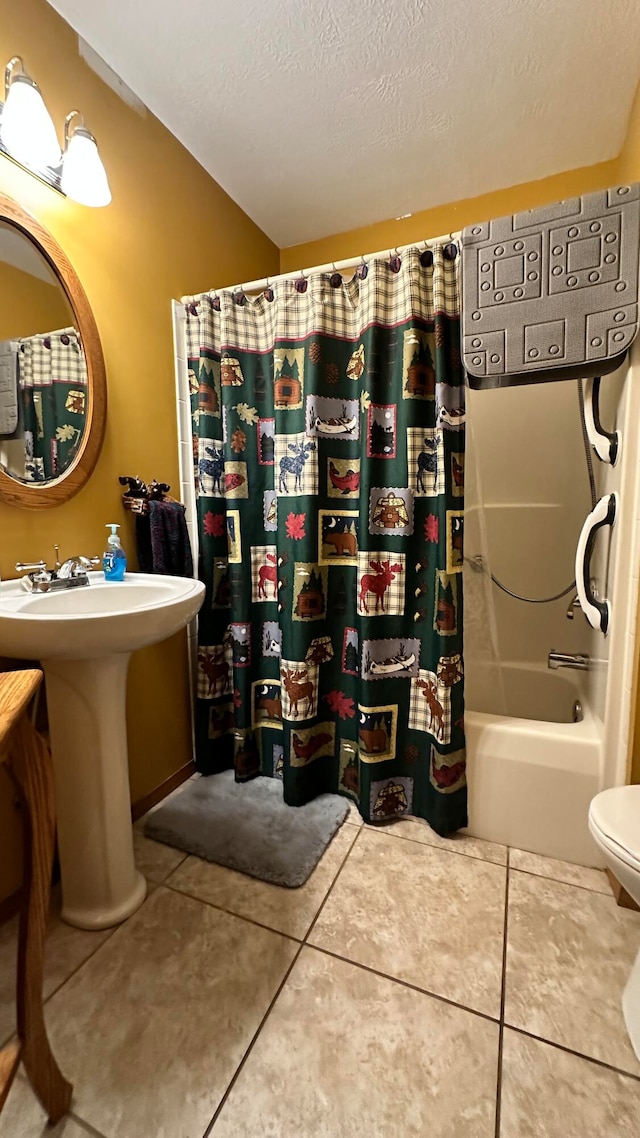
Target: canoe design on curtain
x=328 y=442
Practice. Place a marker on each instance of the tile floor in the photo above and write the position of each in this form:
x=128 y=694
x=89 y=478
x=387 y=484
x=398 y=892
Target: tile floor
x=413 y=987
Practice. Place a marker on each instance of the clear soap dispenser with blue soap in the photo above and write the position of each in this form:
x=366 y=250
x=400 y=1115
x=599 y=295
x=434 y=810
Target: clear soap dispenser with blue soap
x=114 y=559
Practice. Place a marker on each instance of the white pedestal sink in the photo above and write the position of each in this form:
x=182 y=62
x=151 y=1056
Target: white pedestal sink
x=84 y=637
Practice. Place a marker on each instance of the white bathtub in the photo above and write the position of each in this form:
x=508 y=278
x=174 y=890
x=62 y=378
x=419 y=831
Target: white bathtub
x=532 y=771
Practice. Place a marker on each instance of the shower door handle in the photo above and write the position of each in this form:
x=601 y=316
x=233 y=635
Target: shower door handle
x=605 y=443
x=597 y=611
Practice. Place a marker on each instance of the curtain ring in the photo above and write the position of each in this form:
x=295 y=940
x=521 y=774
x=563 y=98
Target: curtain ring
x=362 y=270
x=301 y=282
x=335 y=280
x=395 y=261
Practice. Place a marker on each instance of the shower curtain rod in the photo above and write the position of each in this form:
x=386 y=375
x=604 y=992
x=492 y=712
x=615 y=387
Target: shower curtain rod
x=336 y=266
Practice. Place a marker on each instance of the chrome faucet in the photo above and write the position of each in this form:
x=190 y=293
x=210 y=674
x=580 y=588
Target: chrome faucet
x=77 y=566
x=577 y=660
x=69 y=574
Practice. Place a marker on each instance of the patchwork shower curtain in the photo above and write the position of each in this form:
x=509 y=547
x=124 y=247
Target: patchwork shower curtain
x=52 y=381
x=328 y=442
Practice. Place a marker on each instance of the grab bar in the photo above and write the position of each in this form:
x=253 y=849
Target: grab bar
x=597 y=611
x=605 y=443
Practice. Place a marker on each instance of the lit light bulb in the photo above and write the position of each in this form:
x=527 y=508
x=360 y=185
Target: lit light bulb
x=27 y=128
x=83 y=178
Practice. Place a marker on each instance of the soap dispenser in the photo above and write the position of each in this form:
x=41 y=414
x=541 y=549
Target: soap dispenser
x=114 y=560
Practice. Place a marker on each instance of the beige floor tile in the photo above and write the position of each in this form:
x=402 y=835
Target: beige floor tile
x=151 y=1030
x=154 y=859
x=354 y=817
x=569 y=955
x=23 y=1117
x=139 y=824
x=289 y=911
x=595 y=879
x=547 y=1093
x=346 y=1054
x=66 y=949
x=422 y=915
x=420 y=831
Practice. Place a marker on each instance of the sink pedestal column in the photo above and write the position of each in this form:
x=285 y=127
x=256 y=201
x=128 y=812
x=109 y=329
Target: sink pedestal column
x=86 y=704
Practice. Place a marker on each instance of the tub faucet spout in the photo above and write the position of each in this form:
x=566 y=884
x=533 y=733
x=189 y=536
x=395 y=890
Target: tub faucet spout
x=577 y=660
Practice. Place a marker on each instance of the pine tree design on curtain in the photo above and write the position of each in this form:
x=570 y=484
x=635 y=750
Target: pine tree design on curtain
x=329 y=459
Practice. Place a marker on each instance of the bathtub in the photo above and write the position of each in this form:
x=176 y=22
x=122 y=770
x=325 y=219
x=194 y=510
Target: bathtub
x=532 y=770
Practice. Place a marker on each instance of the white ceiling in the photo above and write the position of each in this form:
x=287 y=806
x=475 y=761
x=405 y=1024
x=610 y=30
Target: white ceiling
x=19 y=251
x=318 y=116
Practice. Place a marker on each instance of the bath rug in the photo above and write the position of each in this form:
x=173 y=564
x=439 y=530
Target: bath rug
x=247 y=826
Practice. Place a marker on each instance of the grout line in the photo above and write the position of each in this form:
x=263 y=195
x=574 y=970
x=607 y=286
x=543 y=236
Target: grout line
x=570 y=1051
x=502 y=999
x=433 y=846
x=251 y=920
x=82 y=1122
x=154 y=880
x=258 y=1032
x=558 y=881
x=405 y=984
x=230 y=912
x=331 y=887
x=249 y=1049
x=112 y=932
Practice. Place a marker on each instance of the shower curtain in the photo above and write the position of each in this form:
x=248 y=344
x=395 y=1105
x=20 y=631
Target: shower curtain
x=52 y=381
x=328 y=420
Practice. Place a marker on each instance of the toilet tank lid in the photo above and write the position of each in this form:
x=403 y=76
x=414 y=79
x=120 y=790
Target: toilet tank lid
x=616 y=813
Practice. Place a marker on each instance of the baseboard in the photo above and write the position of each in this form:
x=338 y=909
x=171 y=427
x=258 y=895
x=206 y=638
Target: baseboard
x=159 y=792
x=624 y=899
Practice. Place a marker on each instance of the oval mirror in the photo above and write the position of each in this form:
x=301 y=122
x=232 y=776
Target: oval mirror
x=52 y=379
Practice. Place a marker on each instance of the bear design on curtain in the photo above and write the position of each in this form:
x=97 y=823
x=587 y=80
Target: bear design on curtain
x=328 y=420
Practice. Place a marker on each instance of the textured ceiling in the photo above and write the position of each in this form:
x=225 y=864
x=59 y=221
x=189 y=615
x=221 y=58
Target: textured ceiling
x=19 y=251
x=318 y=116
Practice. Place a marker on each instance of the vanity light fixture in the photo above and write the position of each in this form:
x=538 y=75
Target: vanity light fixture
x=27 y=129
x=83 y=176
x=28 y=136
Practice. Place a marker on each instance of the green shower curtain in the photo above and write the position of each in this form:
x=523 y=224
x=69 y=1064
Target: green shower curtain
x=52 y=379
x=328 y=442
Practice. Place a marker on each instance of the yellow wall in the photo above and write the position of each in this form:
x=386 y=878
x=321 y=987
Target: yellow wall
x=29 y=305
x=169 y=230
x=455 y=215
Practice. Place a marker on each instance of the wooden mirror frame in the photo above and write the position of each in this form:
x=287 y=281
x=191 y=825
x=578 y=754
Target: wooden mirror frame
x=35 y=495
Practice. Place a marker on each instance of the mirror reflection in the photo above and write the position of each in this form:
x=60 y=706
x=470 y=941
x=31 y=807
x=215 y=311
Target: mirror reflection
x=43 y=374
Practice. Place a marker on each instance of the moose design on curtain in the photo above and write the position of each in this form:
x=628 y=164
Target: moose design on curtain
x=329 y=455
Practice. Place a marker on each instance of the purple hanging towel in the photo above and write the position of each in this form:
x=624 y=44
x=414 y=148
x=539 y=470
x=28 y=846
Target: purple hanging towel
x=170 y=545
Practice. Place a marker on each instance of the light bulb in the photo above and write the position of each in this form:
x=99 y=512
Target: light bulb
x=27 y=128
x=83 y=176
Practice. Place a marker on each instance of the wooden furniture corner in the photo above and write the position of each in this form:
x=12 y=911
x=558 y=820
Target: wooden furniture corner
x=29 y=764
x=624 y=899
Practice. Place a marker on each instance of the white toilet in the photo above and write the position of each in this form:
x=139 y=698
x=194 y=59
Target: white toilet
x=614 y=822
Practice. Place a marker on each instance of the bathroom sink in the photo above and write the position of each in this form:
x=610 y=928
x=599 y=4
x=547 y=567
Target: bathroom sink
x=96 y=619
x=84 y=637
